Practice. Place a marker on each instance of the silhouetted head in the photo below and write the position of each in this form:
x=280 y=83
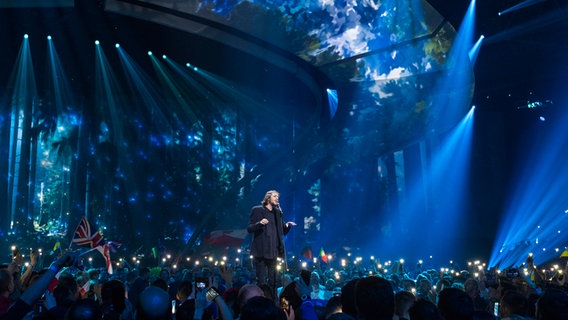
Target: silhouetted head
x=374 y=298
x=153 y=304
x=424 y=310
x=348 y=298
x=84 y=309
x=455 y=304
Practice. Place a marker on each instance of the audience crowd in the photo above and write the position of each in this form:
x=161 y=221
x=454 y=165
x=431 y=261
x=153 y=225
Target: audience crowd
x=67 y=290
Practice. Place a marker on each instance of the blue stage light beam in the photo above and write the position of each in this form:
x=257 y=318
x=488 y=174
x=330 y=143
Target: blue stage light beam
x=22 y=89
x=144 y=90
x=109 y=94
x=183 y=95
x=333 y=101
x=474 y=51
x=459 y=72
x=217 y=87
x=58 y=82
x=448 y=175
x=431 y=219
x=447 y=171
x=534 y=219
x=521 y=5
x=548 y=19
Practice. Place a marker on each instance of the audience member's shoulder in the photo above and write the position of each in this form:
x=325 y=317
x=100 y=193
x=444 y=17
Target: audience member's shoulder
x=261 y=308
x=552 y=304
x=340 y=316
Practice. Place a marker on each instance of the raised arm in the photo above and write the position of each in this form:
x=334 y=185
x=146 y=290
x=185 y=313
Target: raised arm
x=28 y=273
x=36 y=290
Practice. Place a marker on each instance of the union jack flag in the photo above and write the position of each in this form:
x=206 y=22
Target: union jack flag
x=104 y=250
x=85 y=235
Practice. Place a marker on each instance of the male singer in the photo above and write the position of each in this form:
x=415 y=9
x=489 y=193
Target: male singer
x=268 y=230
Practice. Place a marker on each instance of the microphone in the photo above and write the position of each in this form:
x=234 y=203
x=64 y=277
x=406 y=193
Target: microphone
x=279 y=208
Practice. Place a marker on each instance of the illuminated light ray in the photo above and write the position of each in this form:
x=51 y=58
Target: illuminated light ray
x=432 y=177
x=474 y=51
x=332 y=101
x=23 y=95
x=447 y=174
x=109 y=97
x=144 y=91
x=459 y=74
x=111 y=101
x=185 y=99
x=521 y=5
x=429 y=231
x=445 y=170
x=536 y=208
x=58 y=82
x=221 y=89
x=548 y=19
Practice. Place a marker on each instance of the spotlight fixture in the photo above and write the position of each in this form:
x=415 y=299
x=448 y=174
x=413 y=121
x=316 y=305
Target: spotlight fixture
x=117 y=45
x=97 y=42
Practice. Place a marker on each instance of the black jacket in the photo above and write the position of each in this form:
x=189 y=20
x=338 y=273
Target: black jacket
x=268 y=240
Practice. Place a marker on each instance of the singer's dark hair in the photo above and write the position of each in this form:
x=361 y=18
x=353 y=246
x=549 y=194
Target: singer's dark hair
x=267 y=196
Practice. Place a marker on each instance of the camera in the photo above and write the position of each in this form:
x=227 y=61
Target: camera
x=201 y=283
x=512 y=273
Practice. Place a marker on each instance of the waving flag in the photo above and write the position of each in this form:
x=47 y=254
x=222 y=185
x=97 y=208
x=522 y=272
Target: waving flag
x=227 y=238
x=323 y=256
x=307 y=252
x=85 y=288
x=105 y=251
x=56 y=246
x=85 y=235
